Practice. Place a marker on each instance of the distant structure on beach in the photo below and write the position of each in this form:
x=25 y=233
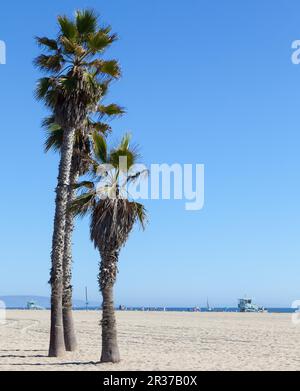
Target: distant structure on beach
x=246 y=305
x=32 y=305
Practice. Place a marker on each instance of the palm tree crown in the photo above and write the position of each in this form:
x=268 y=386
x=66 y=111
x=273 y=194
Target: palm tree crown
x=112 y=214
x=78 y=77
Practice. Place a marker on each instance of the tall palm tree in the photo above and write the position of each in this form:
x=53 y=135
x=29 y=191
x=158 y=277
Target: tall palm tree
x=112 y=219
x=71 y=90
x=80 y=165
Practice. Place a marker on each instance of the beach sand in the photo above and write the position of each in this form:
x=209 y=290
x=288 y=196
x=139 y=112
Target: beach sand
x=158 y=341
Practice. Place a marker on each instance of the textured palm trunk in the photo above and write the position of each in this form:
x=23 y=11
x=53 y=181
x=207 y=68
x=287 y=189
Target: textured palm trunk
x=57 y=345
x=107 y=277
x=68 y=322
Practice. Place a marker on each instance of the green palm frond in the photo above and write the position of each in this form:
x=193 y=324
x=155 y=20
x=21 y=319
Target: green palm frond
x=72 y=47
x=48 y=121
x=49 y=63
x=100 y=127
x=109 y=68
x=42 y=88
x=68 y=28
x=49 y=44
x=83 y=204
x=92 y=85
x=54 y=138
x=105 y=29
x=100 y=147
x=86 y=21
x=118 y=154
x=141 y=214
x=111 y=110
x=99 y=41
x=125 y=142
x=54 y=134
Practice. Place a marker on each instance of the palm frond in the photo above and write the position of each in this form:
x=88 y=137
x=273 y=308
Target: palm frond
x=109 y=68
x=54 y=138
x=100 y=127
x=100 y=147
x=68 y=84
x=141 y=214
x=86 y=21
x=98 y=42
x=49 y=44
x=111 y=110
x=48 y=121
x=67 y=27
x=105 y=29
x=72 y=47
x=125 y=142
x=92 y=87
x=49 y=63
x=43 y=86
x=54 y=134
x=83 y=204
x=117 y=156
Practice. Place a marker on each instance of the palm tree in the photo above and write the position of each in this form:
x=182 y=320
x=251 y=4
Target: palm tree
x=80 y=165
x=71 y=90
x=112 y=219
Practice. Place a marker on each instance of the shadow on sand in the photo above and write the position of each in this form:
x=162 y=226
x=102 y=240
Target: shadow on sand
x=22 y=350
x=50 y=364
x=39 y=356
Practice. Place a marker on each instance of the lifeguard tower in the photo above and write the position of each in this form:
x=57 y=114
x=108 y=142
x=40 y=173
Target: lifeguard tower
x=31 y=305
x=246 y=305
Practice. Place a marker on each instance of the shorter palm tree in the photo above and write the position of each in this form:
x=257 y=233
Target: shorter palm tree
x=112 y=219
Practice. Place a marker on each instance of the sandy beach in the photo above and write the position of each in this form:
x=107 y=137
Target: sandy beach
x=158 y=341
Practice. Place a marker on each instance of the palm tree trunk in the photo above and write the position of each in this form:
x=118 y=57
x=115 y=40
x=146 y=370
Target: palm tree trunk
x=57 y=345
x=107 y=277
x=68 y=322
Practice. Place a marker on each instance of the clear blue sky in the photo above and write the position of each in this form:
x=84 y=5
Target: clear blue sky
x=203 y=82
